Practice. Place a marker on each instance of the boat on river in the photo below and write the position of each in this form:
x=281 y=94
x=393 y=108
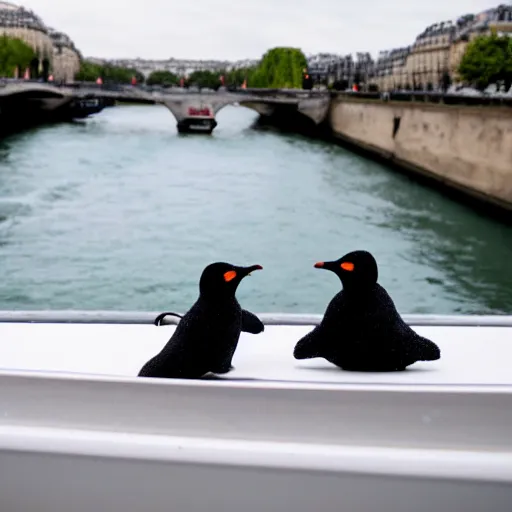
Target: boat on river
x=80 y=432
x=198 y=120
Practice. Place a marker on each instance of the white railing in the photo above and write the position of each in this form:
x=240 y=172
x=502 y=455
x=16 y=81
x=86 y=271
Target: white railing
x=147 y=317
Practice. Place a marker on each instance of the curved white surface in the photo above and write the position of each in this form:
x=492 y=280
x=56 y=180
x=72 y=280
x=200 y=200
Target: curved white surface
x=79 y=431
x=469 y=355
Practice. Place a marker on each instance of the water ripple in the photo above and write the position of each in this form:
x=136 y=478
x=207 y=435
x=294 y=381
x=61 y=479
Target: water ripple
x=121 y=212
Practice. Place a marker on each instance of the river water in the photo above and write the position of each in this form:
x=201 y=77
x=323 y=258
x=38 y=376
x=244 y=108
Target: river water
x=119 y=212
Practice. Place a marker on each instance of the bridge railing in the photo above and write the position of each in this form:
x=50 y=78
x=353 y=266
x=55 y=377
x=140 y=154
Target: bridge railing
x=236 y=90
x=282 y=92
x=114 y=87
x=7 y=81
x=149 y=90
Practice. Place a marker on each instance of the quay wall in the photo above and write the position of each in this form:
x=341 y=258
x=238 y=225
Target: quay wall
x=467 y=148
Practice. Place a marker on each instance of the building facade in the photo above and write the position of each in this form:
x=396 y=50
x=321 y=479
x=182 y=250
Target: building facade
x=66 y=58
x=180 y=67
x=18 y=22
x=437 y=51
x=470 y=26
x=329 y=68
x=420 y=66
x=55 y=52
x=389 y=70
x=430 y=57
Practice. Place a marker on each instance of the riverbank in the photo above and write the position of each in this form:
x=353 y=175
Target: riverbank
x=465 y=150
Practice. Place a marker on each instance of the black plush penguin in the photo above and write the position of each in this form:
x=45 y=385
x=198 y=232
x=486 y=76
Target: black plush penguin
x=206 y=337
x=361 y=329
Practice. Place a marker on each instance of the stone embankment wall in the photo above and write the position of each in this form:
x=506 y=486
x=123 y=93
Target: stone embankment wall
x=467 y=148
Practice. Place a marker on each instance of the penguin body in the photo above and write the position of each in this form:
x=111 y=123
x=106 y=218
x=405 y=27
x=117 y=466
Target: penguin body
x=361 y=329
x=207 y=335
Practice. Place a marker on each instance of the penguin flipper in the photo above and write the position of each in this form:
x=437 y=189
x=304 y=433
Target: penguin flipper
x=161 y=316
x=309 y=346
x=428 y=350
x=251 y=323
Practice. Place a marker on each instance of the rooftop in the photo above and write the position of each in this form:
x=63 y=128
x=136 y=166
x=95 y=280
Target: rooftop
x=12 y=15
x=61 y=39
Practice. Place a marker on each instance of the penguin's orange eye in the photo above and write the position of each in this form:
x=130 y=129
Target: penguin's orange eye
x=347 y=266
x=229 y=275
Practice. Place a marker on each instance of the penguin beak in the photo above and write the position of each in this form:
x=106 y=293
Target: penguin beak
x=248 y=270
x=326 y=265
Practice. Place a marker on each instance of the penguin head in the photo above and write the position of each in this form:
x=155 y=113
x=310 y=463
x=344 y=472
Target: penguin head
x=222 y=279
x=357 y=269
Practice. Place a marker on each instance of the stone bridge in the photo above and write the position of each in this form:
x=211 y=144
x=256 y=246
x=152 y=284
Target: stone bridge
x=48 y=97
x=194 y=111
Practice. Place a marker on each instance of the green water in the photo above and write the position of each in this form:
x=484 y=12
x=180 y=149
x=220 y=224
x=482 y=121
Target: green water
x=120 y=212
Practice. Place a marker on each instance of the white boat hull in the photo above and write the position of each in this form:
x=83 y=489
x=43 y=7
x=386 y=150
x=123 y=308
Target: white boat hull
x=79 y=432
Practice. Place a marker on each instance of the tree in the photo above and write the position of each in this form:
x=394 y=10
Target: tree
x=279 y=68
x=212 y=80
x=90 y=71
x=204 y=78
x=14 y=53
x=162 y=77
x=487 y=60
x=236 y=77
x=138 y=76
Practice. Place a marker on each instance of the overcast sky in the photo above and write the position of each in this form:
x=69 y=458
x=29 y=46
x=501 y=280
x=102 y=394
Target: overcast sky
x=232 y=30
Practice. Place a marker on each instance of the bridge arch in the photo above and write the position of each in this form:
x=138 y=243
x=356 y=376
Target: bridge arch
x=308 y=111
x=179 y=106
x=263 y=109
x=176 y=112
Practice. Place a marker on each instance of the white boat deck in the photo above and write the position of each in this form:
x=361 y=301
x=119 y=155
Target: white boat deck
x=469 y=355
x=80 y=432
